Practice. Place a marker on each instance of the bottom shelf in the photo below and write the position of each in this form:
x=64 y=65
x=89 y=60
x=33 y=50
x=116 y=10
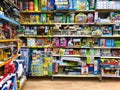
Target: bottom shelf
x=63 y=75
x=111 y=76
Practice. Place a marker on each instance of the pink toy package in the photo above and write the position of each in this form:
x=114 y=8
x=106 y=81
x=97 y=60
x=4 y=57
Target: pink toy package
x=56 y=42
x=63 y=42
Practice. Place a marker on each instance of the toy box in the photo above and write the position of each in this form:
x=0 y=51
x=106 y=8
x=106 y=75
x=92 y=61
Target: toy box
x=81 y=18
x=103 y=42
x=63 y=42
x=90 y=42
x=91 y=68
x=76 y=42
x=81 y=5
x=40 y=42
x=62 y=52
x=84 y=70
x=56 y=42
x=83 y=52
x=84 y=42
x=70 y=42
x=31 y=42
x=106 y=30
x=43 y=18
x=62 y=5
x=44 y=4
x=96 y=67
x=51 y=4
x=105 y=52
x=116 y=53
x=73 y=4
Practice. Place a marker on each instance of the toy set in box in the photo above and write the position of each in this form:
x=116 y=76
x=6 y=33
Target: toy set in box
x=110 y=67
x=66 y=42
x=62 y=52
x=39 y=42
x=107 y=42
x=30 y=30
x=92 y=68
x=36 y=18
x=84 y=18
x=83 y=30
x=25 y=54
x=108 y=52
x=41 y=62
x=106 y=4
x=116 y=30
x=76 y=66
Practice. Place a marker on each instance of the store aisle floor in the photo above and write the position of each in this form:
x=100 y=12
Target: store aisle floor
x=73 y=84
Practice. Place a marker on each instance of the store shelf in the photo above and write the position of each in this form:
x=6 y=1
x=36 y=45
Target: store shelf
x=63 y=75
x=10 y=46
x=73 y=23
x=110 y=76
x=36 y=46
x=108 y=10
x=37 y=24
x=8 y=40
x=72 y=36
x=30 y=36
x=72 y=56
x=111 y=36
x=55 y=11
x=88 y=47
x=110 y=57
x=101 y=23
x=9 y=60
x=9 y=20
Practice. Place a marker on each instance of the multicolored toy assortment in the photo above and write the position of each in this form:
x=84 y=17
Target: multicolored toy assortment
x=80 y=36
x=76 y=66
x=41 y=62
x=111 y=67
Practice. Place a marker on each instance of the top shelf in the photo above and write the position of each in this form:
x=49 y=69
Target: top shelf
x=9 y=20
x=55 y=11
